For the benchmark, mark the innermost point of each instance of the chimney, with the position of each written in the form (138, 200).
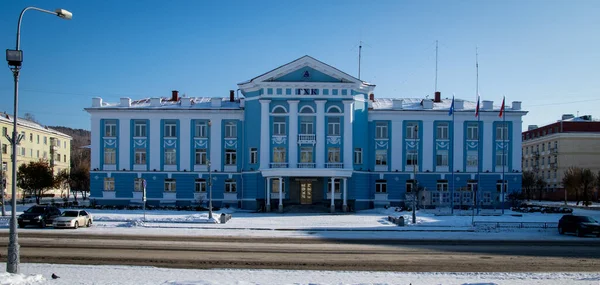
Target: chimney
(516, 105)
(397, 104)
(175, 95)
(155, 102)
(438, 97)
(96, 102)
(215, 102)
(487, 105)
(125, 102)
(372, 97)
(231, 96)
(459, 104)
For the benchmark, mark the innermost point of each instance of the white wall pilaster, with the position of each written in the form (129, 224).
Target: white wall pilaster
(124, 144)
(184, 144)
(320, 148)
(216, 145)
(348, 133)
(265, 138)
(397, 159)
(458, 145)
(154, 152)
(488, 141)
(293, 133)
(517, 151)
(96, 135)
(427, 149)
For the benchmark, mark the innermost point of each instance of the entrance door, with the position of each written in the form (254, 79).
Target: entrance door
(305, 193)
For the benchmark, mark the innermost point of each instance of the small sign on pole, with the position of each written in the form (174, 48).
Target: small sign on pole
(144, 197)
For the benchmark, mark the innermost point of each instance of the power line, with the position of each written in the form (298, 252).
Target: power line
(562, 103)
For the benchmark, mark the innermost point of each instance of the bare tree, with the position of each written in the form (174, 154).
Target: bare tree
(528, 183)
(572, 182)
(588, 179)
(540, 185)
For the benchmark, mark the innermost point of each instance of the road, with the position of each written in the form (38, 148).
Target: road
(313, 254)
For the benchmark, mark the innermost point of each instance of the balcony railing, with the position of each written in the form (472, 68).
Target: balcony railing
(334, 165)
(307, 139)
(306, 165)
(279, 165)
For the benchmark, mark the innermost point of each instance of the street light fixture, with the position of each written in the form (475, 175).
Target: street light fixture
(210, 182)
(415, 192)
(15, 59)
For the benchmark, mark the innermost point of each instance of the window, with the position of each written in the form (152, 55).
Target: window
(200, 156)
(381, 157)
(230, 186)
(441, 158)
(381, 186)
(138, 185)
(23, 150)
(64, 157)
(110, 129)
(472, 185)
(411, 157)
(38, 139)
(4, 166)
(140, 156)
(501, 131)
(501, 158)
(253, 155)
(200, 130)
(4, 149)
(410, 184)
(45, 140)
(442, 131)
(170, 130)
(139, 129)
(442, 185)
(4, 131)
(109, 184)
(306, 154)
(200, 185)
(110, 156)
(358, 156)
(306, 128)
(231, 130)
(45, 155)
(381, 130)
(230, 157)
(279, 155)
(170, 156)
(333, 154)
(275, 185)
(543, 147)
(472, 131)
(170, 185)
(31, 137)
(279, 126)
(412, 130)
(472, 158)
(37, 154)
(333, 126)
(499, 186)
(336, 186)
(65, 144)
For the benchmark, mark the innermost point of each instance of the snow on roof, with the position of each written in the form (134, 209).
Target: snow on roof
(166, 103)
(31, 124)
(415, 104)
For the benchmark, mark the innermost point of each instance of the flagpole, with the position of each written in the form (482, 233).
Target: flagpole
(452, 162)
(476, 195)
(503, 152)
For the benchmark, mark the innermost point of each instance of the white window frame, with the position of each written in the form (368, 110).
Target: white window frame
(443, 156)
(472, 158)
(307, 128)
(442, 131)
(442, 185)
(140, 156)
(499, 186)
(410, 130)
(358, 155)
(170, 130)
(140, 129)
(138, 185)
(333, 126)
(336, 186)
(275, 185)
(501, 132)
(279, 155)
(110, 156)
(200, 185)
(231, 130)
(230, 186)
(472, 131)
(471, 186)
(109, 184)
(381, 186)
(412, 157)
(381, 157)
(170, 185)
(230, 157)
(306, 154)
(279, 126)
(200, 129)
(503, 155)
(253, 155)
(333, 155)
(170, 156)
(381, 130)
(110, 129)
(200, 156)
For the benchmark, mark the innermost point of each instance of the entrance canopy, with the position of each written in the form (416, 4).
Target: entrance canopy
(306, 172)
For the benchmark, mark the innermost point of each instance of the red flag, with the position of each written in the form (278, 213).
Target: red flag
(501, 109)
(477, 108)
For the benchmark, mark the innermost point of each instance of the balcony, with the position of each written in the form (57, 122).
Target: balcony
(307, 139)
(306, 165)
(279, 165)
(334, 165)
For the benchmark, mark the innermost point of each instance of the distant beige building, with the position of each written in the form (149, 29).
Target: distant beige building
(550, 150)
(38, 142)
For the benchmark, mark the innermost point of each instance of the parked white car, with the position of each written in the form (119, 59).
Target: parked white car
(73, 219)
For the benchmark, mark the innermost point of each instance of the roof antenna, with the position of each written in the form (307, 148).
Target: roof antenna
(436, 65)
(359, 54)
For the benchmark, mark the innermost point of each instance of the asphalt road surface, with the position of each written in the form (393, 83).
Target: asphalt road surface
(314, 254)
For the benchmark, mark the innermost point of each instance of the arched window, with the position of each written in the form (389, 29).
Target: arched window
(279, 110)
(307, 110)
(334, 110)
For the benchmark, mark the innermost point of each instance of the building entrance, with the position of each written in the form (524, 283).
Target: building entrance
(305, 193)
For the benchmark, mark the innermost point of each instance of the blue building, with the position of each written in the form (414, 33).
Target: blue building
(304, 133)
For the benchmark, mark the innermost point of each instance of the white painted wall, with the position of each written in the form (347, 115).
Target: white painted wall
(124, 143)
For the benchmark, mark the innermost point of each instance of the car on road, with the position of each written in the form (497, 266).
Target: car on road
(38, 215)
(580, 225)
(73, 219)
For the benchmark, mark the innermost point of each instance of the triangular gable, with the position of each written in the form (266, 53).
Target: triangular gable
(306, 74)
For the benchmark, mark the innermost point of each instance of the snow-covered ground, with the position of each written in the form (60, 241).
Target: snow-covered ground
(83, 274)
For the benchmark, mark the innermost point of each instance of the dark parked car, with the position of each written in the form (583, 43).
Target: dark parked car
(580, 225)
(39, 215)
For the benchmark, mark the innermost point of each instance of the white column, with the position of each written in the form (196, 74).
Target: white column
(280, 195)
(517, 152)
(320, 148)
(488, 142)
(427, 149)
(397, 159)
(216, 146)
(124, 144)
(96, 135)
(332, 207)
(268, 196)
(184, 144)
(345, 204)
(265, 138)
(154, 145)
(348, 130)
(293, 137)
(459, 145)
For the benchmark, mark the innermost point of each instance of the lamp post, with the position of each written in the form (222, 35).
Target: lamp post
(210, 213)
(15, 59)
(415, 195)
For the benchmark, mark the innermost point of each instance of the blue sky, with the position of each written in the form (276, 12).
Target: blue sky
(543, 53)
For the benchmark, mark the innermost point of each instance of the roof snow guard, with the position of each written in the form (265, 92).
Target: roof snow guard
(168, 103)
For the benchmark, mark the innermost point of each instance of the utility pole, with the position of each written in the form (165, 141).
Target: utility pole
(2, 178)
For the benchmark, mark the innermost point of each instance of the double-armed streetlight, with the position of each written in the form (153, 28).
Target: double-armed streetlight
(15, 59)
